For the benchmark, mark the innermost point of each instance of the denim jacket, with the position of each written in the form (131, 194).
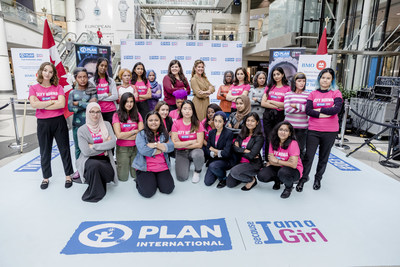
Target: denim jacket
(144, 151)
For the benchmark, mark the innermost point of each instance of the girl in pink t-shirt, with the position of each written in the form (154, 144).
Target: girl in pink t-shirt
(127, 122)
(143, 87)
(47, 97)
(240, 87)
(152, 161)
(187, 133)
(273, 101)
(106, 89)
(163, 109)
(208, 122)
(284, 163)
(322, 106)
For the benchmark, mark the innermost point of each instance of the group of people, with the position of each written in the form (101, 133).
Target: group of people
(267, 132)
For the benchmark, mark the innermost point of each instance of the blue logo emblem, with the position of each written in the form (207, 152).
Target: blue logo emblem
(149, 236)
(190, 43)
(88, 50)
(229, 59)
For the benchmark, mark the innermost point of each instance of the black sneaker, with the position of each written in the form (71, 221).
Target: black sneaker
(286, 192)
(221, 184)
(44, 184)
(277, 185)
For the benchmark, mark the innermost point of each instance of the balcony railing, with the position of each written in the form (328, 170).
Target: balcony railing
(16, 12)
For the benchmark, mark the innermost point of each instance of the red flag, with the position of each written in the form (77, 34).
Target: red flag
(323, 44)
(48, 43)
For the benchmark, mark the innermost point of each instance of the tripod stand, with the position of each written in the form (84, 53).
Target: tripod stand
(394, 124)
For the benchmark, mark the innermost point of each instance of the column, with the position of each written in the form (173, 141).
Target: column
(339, 18)
(70, 16)
(244, 22)
(363, 38)
(6, 84)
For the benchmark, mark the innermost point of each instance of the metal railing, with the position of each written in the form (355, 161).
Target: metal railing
(16, 12)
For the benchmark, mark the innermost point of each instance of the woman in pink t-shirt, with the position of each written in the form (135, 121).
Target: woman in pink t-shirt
(127, 122)
(208, 122)
(322, 106)
(240, 87)
(273, 101)
(142, 86)
(163, 109)
(106, 89)
(247, 147)
(188, 135)
(284, 163)
(47, 97)
(152, 161)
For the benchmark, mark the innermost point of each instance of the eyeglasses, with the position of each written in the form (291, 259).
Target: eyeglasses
(95, 112)
(284, 130)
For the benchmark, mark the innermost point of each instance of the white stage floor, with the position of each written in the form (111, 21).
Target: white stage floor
(352, 221)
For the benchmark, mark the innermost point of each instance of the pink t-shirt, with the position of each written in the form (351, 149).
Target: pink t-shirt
(237, 90)
(206, 130)
(244, 145)
(142, 89)
(277, 94)
(103, 88)
(126, 127)
(174, 114)
(216, 138)
(183, 131)
(47, 94)
(97, 139)
(156, 163)
(285, 154)
(324, 100)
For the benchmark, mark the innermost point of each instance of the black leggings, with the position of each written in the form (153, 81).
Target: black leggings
(285, 174)
(271, 118)
(98, 172)
(148, 182)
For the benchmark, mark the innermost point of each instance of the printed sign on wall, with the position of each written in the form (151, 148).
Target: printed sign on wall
(149, 236)
(26, 63)
(312, 65)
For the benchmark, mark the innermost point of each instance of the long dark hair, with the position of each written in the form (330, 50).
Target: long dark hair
(298, 75)
(96, 74)
(123, 114)
(193, 120)
(272, 81)
(255, 82)
(246, 76)
(151, 137)
(276, 141)
(216, 108)
(180, 73)
(135, 76)
(244, 132)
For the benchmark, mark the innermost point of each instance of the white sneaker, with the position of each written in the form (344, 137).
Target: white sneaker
(196, 177)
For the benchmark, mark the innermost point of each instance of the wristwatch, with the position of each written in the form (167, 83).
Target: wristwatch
(123, 8)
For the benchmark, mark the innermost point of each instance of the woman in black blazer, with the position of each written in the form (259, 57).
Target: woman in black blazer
(218, 151)
(247, 147)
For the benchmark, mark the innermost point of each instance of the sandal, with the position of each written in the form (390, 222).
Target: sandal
(68, 183)
(44, 184)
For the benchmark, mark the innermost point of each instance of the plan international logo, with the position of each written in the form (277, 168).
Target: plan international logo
(149, 236)
(278, 232)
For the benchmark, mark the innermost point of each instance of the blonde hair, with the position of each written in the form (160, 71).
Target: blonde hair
(122, 71)
(196, 63)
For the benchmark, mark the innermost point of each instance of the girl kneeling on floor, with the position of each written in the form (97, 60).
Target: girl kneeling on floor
(218, 151)
(188, 135)
(96, 162)
(152, 162)
(247, 148)
(284, 163)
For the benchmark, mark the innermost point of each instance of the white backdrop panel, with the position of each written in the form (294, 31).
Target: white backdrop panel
(218, 56)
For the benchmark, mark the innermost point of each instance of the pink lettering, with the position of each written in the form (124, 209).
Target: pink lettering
(289, 238)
